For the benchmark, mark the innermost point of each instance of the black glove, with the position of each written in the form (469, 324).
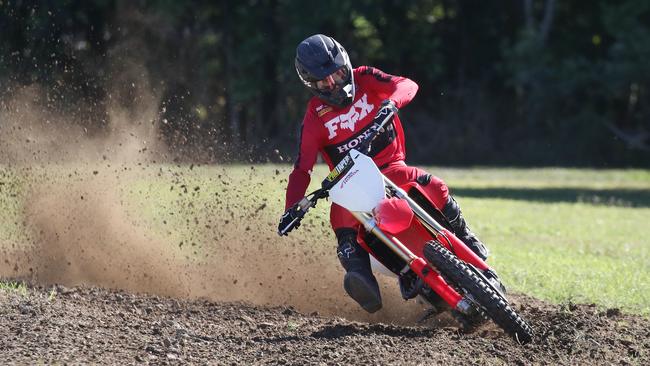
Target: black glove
(289, 220)
(387, 106)
(389, 103)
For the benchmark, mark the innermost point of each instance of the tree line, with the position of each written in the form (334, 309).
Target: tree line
(518, 82)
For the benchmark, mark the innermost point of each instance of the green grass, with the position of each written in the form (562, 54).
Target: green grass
(564, 234)
(13, 286)
(557, 234)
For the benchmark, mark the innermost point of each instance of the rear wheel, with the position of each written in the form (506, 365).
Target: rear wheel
(492, 304)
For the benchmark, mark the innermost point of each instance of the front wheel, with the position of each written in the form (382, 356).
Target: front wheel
(492, 303)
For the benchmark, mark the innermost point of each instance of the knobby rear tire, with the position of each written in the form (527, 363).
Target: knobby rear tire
(493, 304)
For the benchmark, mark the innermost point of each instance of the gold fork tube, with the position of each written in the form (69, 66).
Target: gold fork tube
(391, 242)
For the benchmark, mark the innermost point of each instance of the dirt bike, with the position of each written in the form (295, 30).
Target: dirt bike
(408, 237)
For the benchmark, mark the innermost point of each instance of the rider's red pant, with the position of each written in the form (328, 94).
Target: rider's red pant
(399, 173)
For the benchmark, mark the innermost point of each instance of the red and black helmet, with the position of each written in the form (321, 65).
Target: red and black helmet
(325, 69)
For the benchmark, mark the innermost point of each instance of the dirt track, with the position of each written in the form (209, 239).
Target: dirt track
(58, 324)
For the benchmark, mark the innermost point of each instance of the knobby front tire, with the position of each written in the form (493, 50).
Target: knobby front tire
(493, 304)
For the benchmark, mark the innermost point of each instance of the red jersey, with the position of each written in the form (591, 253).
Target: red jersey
(333, 131)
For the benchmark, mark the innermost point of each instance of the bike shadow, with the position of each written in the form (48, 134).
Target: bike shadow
(625, 197)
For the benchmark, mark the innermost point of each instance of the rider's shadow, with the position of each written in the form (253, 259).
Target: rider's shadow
(343, 330)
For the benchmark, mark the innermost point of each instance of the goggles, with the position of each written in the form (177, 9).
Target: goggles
(330, 82)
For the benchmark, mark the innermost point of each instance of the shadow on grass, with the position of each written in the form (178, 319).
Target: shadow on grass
(608, 197)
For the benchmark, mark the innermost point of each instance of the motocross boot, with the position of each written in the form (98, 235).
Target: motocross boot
(461, 230)
(359, 282)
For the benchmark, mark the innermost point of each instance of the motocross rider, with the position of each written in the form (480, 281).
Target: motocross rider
(342, 109)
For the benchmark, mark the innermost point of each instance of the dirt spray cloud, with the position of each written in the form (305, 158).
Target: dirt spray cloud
(79, 228)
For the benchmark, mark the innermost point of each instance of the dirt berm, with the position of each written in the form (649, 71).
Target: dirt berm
(89, 325)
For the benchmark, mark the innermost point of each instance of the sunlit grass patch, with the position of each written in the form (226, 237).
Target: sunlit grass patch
(13, 287)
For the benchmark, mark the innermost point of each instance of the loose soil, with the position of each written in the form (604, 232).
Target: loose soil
(57, 324)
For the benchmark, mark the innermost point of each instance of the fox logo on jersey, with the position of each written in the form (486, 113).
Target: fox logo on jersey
(357, 111)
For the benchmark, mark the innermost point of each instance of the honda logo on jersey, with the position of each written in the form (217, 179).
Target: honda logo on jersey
(342, 149)
(348, 120)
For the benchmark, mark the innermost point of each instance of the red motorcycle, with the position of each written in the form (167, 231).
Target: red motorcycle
(408, 237)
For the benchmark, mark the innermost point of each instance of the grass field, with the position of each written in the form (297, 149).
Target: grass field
(557, 234)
